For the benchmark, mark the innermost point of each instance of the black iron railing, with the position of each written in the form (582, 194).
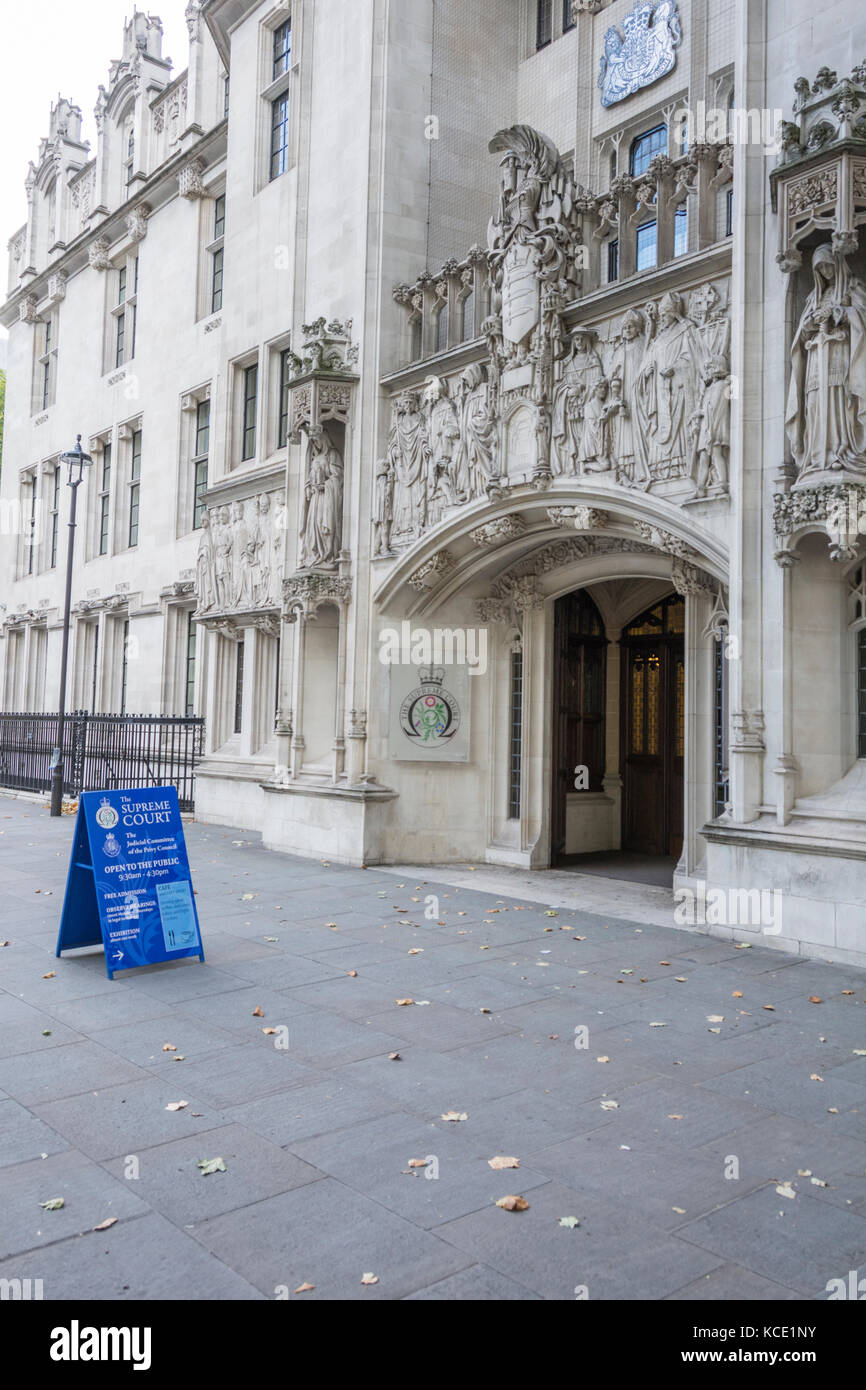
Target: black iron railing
(102, 752)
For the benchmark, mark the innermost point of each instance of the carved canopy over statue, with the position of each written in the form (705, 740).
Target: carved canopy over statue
(826, 412)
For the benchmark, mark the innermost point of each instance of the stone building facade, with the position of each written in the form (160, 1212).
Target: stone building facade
(477, 401)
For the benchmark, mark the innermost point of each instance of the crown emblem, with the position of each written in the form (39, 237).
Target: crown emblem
(432, 675)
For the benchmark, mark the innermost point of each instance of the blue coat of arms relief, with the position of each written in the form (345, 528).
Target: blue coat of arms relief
(646, 53)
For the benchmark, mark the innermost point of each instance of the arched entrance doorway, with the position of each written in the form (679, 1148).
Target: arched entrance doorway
(618, 720)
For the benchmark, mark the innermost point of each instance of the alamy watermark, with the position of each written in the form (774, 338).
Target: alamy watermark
(729, 907)
(438, 646)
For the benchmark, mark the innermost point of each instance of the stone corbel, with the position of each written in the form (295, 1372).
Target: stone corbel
(99, 253)
(688, 579)
(663, 540)
(581, 518)
(28, 309)
(504, 528)
(136, 222)
(57, 287)
(189, 179)
(427, 576)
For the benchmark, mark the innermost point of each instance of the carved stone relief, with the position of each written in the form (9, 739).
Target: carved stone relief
(240, 557)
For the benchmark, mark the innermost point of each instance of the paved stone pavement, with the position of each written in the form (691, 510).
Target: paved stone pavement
(667, 1143)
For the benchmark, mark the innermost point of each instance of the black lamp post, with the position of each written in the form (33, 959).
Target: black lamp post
(77, 461)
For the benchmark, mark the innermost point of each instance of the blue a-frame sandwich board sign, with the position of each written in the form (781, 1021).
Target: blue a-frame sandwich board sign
(129, 885)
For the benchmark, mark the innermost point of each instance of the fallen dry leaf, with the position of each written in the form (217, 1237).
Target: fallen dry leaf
(675, 1117)
(394, 1057)
(353, 974)
(305, 1288)
(815, 1077)
(454, 1115)
(402, 1002)
(104, 1225)
(53, 1204)
(513, 1203)
(415, 951)
(211, 1165)
(771, 1008)
(609, 1104)
(785, 1189)
(169, 1047)
(177, 1105)
(569, 1221)
(602, 1059)
(418, 1162)
(369, 1279)
(715, 1018)
(269, 1031)
(50, 975)
(737, 994)
(501, 1161)
(258, 1012)
(815, 999)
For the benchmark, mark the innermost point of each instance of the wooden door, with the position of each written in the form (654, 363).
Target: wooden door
(653, 730)
(580, 650)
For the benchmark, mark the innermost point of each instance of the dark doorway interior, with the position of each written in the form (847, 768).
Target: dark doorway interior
(653, 730)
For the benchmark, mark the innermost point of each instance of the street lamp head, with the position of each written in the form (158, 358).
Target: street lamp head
(76, 459)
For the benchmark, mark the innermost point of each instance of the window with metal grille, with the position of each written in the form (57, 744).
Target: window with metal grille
(279, 135)
(134, 488)
(645, 147)
(282, 49)
(722, 776)
(543, 23)
(124, 666)
(250, 409)
(55, 516)
(613, 260)
(515, 739)
(861, 692)
(105, 499)
(201, 449)
(283, 420)
(190, 663)
(646, 246)
(239, 687)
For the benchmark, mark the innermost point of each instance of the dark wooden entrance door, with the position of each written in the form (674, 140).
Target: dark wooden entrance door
(653, 730)
(580, 651)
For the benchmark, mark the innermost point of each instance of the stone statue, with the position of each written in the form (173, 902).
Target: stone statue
(667, 386)
(259, 549)
(581, 372)
(711, 428)
(241, 584)
(205, 579)
(444, 435)
(630, 425)
(383, 514)
(825, 419)
(478, 458)
(409, 456)
(594, 456)
(223, 559)
(321, 526)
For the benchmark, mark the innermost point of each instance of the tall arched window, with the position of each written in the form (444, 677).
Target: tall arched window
(645, 147)
(468, 311)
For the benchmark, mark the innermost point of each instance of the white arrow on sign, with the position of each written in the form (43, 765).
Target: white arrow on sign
(118, 955)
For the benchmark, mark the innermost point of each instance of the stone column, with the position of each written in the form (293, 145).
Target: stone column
(786, 764)
(612, 780)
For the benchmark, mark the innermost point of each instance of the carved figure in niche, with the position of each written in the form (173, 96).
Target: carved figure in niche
(223, 558)
(241, 589)
(478, 455)
(259, 548)
(666, 386)
(630, 426)
(205, 579)
(711, 428)
(277, 543)
(711, 321)
(595, 438)
(444, 437)
(825, 417)
(409, 455)
(321, 525)
(582, 369)
(383, 514)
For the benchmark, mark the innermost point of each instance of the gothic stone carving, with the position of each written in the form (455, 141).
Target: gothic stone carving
(426, 576)
(305, 594)
(688, 579)
(826, 411)
(322, 520)
(837, 510)
(581, 518)
(99, 253)
(646, 53)
(28, 311)
(240, 556)
(189, 180)
(136, 222)
(504, 528)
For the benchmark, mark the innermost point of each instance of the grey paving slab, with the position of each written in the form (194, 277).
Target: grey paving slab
(780, 1084)
(123, 1119)
(313, 1108)
(375, 1160)
(89, 1194)
(328, 1235)
(143, 1259)
(142, 1042)
(97, 1011)
(429, 1083)
(285, 972)
(171, 1182)
(23, 1137)
(439, 1025)
(35, 1035)
(233, 1010)
(732, 1282)
(799, 1242)
(613, 1253)
(476, 1284)
(246, 1072)
(70, 1070)
(354, 997)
